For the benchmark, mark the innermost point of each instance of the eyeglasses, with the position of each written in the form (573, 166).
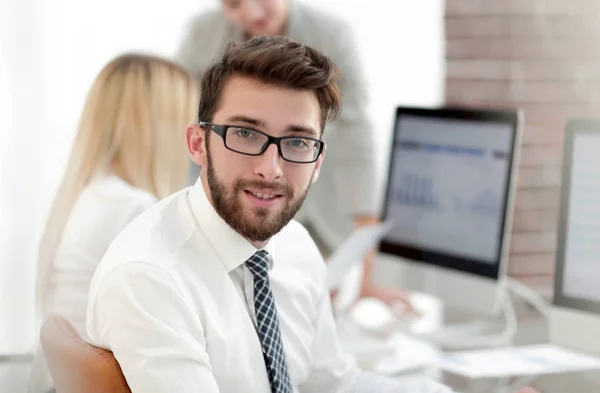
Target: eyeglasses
(254, 143)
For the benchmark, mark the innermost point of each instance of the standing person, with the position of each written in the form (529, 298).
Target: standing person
(346, 196)
(128, 153)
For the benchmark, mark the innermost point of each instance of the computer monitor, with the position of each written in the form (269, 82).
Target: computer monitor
(450, 197)
(575, 315)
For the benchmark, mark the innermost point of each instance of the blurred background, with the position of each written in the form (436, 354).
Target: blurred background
(50, 53)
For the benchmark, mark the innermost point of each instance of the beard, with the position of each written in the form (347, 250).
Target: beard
(258, 224)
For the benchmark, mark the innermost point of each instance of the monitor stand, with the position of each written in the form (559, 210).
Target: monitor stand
(484, 333)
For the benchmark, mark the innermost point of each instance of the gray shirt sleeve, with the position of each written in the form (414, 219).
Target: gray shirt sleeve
(201, 44)
(187, 52)
(354, 159)
(203, 41)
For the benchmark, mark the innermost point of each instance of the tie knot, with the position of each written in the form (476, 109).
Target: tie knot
(259, 265)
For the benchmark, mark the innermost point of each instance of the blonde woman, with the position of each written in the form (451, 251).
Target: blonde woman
(129, 152)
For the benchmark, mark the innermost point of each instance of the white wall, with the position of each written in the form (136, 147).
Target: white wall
(50, 52)
(402, 46)
(21, 157)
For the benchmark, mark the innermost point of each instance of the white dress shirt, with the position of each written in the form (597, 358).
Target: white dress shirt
(101, 211)
(174, 301)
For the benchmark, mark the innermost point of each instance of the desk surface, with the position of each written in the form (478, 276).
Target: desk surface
(14, 375)
(533, 329)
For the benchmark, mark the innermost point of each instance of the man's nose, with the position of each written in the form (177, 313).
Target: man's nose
(269, 164)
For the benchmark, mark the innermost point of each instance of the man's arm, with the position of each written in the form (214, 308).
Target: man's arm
(139, 314)
(392, 297)
(204, 38)
(191, 45)
(355, 151)
(335, 372)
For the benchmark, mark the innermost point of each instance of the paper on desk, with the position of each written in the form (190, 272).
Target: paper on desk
(527, 360)
(353, 250)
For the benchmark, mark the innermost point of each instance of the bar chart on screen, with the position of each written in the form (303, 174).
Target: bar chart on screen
(452, 190)
(417, 190)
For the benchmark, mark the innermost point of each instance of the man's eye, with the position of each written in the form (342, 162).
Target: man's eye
(298, 143)
(244, 133)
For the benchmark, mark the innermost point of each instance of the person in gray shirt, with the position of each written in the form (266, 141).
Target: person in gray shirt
(346, 196)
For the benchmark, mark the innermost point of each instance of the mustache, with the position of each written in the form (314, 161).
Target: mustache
(281, 188)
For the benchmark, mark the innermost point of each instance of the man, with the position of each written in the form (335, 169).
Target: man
(216, 288)
(346, 196)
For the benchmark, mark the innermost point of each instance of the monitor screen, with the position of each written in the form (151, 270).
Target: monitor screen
(448, 185)
(578, 253)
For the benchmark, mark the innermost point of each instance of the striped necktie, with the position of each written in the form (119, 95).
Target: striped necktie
(268, 324)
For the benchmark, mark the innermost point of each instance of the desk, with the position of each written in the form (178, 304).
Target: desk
(533, 329)
(14, 373)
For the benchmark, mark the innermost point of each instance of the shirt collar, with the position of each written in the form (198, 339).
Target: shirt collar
(232, 249)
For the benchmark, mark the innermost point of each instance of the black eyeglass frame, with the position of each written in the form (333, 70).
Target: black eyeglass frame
(221, 130)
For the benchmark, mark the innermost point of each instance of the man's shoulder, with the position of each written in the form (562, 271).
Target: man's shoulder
(296, 231)
(203, 24)
(321, 30)
(204, 38)
(318, 21)
(300, 250)
(153, 237)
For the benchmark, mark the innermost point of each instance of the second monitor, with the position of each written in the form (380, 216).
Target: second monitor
(575, 316)
(450, 197)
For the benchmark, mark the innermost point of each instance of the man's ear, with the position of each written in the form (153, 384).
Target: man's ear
(194, 137)
(319, 161)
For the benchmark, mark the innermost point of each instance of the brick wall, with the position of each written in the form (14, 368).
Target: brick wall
(544, 57)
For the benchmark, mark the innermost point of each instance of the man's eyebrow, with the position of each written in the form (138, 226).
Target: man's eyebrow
(294, 128)
(307, 130)
(246, 119)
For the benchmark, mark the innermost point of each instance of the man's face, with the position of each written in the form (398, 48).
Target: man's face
(258, 195)
(257, 17)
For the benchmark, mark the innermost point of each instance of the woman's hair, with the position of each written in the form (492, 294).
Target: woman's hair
(132, 125)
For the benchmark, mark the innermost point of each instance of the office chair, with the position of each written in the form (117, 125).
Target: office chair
(75, 365)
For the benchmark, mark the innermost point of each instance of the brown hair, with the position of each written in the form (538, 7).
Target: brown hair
(279, 61)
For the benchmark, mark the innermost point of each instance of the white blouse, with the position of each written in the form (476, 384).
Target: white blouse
(100, 212)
